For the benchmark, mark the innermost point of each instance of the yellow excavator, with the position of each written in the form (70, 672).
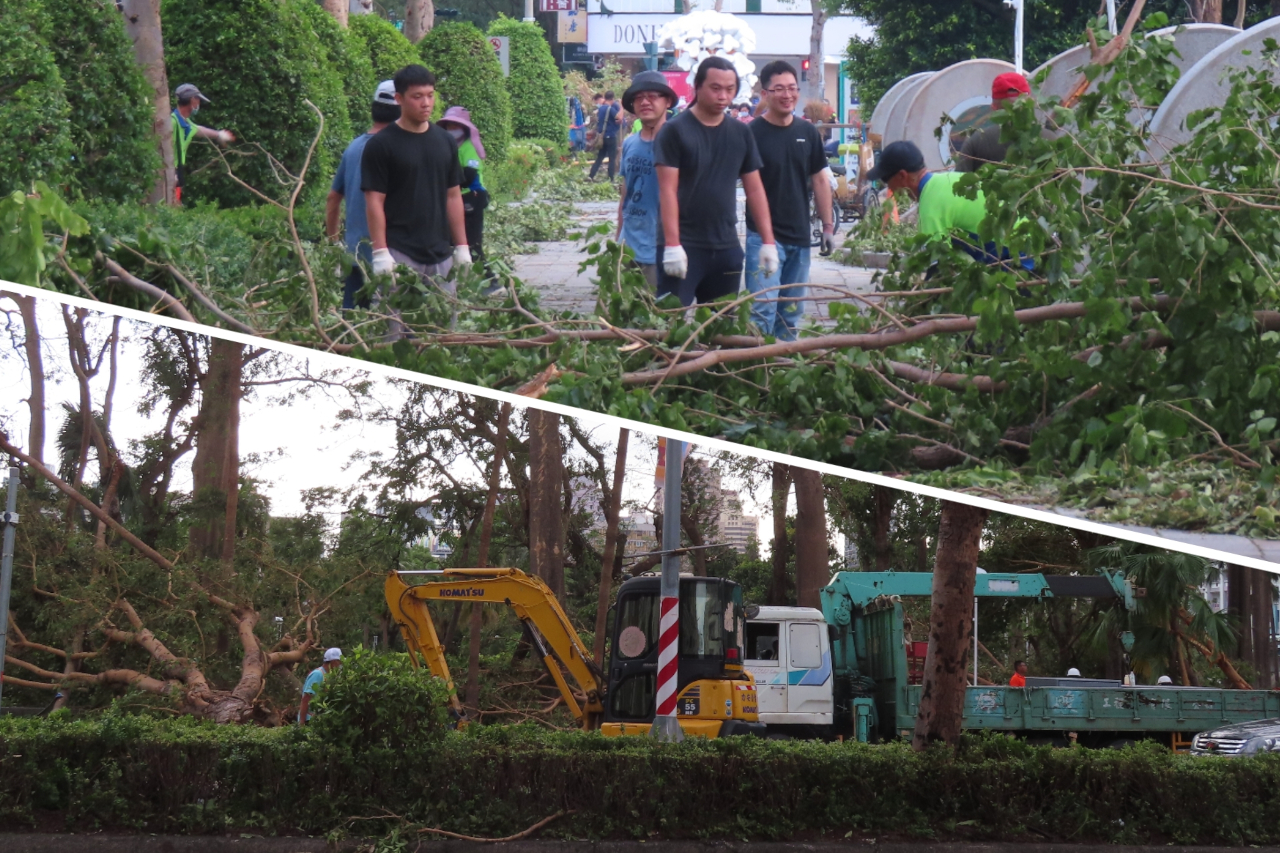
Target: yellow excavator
(716, 697)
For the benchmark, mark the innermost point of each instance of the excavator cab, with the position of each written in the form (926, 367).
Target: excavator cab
(715, 697)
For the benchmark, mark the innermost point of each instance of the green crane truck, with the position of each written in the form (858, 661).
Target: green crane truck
(850, 670)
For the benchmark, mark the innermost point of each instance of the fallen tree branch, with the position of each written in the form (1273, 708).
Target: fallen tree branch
(168, 300)
(522, 834)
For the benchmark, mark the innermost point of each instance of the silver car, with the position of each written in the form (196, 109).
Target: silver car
(1259, 736)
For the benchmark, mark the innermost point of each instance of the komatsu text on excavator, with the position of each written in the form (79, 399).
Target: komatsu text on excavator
(716, 697)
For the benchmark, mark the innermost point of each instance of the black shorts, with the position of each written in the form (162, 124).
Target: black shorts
(713, 273)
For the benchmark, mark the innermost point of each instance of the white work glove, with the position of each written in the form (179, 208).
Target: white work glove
(383, 263)
(462, 256)
(225, 137)
(828, 244)
(768, 259)
(675, 262)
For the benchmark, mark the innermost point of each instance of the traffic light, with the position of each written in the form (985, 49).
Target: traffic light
(804, 69)
(651, 55)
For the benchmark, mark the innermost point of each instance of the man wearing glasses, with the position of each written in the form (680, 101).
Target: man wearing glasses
(793, 157)
(701, 154)
(648, 98)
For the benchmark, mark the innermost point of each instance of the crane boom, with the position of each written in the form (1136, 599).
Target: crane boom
(550, 632)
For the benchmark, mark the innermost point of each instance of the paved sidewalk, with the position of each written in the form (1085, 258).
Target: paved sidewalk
(554, 269)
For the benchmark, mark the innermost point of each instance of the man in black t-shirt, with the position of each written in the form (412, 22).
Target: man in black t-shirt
(410, 175)
(700, 155)
(792, 152)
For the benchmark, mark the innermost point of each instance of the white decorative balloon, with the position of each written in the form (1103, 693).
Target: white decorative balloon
(709, 33)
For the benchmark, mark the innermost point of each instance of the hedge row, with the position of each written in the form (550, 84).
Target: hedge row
(469, 75)
(183, 776)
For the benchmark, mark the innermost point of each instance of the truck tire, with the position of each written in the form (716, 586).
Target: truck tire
(732, 728)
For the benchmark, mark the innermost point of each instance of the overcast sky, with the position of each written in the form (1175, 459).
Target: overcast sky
(299, 444)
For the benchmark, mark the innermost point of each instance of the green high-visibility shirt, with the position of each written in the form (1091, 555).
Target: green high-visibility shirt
(942, 210)
(182, 136)
(470, 159)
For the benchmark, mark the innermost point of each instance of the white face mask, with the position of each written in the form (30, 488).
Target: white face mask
(457, 133)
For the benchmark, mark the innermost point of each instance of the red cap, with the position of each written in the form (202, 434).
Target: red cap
(1010, 84)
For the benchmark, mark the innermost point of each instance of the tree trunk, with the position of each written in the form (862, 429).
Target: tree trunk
(215, 471)
(142, 23)
(813, 570)
(1206, 11)
(950, 626)
(884, 499)
(779, 587)
(338, 9)
(472, 694)
(612, 511)
(817, 76)
(546, 533)
(1241, 8)
(689, 524)
(35, 367)
(419, 16)
(1251, 605)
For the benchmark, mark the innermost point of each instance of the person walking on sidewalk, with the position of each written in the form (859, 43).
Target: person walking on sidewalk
(346, 188)
(794, 161)
(649, 97)
(701, 154)
(608, 120)
(410, 176)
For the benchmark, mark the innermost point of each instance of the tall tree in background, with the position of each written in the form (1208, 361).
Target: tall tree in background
(419, 17)
(780, 586)
(215, 471)
(472, 695)
(546, 480)
(142, 23)
(950, 625)
(338, 9)
(35, 372)
(612, 510)
(813, 569)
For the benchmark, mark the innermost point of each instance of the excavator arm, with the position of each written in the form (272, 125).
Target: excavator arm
(550, 632)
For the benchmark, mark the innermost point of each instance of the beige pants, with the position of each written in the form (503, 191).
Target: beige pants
(430, 274)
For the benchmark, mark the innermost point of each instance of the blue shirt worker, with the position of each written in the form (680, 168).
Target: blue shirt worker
(794, 163)
(332, 660)
(184, 130)
(649, 97)
(346, 188)
(608, 121)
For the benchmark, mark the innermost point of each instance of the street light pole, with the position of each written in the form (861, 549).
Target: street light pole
(665, 725)
(10, 521)
(528, 11)
(1017, 6)
(1111, 16)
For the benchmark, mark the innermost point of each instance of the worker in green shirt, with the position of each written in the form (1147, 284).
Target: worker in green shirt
(941, 210)
(475, 198)
(184, 130)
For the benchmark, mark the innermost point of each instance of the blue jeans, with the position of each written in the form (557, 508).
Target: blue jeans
(771, 317)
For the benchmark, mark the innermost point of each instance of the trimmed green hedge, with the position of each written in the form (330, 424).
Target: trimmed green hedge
(35, 142)
(534, 83)
(115, 153)
(348, 53)
(258, 61)
(184, 776)
(469, 75)
(389, 50)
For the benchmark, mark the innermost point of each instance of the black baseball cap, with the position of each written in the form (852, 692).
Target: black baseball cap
(896, 157)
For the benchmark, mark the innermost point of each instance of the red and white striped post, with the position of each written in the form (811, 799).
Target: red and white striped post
(665, 725)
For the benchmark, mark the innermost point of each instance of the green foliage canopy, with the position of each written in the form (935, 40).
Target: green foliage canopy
(534, 83)
(348, 53)
(115, 153)
(469, 75)
(389, 50)
(35, 140)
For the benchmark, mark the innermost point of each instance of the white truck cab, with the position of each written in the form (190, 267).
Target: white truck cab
(788, 652)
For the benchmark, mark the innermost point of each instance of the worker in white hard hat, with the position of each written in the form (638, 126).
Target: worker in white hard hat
(1073, 673)
(1164, 679)
(332, 660)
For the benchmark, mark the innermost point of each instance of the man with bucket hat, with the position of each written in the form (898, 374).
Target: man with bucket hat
(184, 130)
(648, 98)
(332, 660)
